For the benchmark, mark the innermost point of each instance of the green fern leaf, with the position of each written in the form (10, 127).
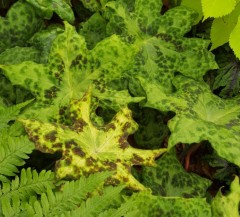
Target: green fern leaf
(234, 39)
(217, 8)
(109, 198)
(72, 195)
(13, 152)
(29, 183)
(10, 113)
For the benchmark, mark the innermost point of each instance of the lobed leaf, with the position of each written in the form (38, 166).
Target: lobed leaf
(88, 149)
(162, 49)
(149, 205)
(20, 24)
(170, 179)
(60, 7)
(200, 115)
(71, 68)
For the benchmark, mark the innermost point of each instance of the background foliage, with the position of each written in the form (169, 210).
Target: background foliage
(119, 108)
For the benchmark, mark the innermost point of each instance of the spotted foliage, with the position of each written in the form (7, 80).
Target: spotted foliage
(61, 7)
(87, 149)
(162, 48)
(20, 24)
(170, 179)
(70, 69)
(200, 115)
(146, 204)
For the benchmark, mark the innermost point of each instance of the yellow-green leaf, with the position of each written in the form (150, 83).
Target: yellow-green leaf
(217, 8)
(222, 28)
(88, 149)
(234, 39)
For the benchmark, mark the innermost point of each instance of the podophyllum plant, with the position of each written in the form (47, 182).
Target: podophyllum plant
(139, 56)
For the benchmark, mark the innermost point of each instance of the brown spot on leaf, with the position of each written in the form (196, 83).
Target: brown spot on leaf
(111, 165)
(110, 126)
(78, 151)
(90, 161)
(58, 145)
(51, 136)
(79, 125)
(68, 161)
(126, 126)
(137, 160)
(70, 143)
(123, 142)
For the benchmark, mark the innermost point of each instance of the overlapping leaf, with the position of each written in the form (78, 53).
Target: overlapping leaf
(87, 149)
(200, 115)
(61, 7)
(19, 25)
(169, 179)
(227, 205)
(70, 70)
(162, 47)
(149, 205)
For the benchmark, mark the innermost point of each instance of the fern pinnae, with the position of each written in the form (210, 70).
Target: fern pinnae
(68, 199)
(10, 113)
(13, 152)
(109, 198)
(30, 183)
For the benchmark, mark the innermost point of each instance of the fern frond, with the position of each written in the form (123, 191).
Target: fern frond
(110, 198)
(13, 152)
(70, 198)
(10, 113)
(29, 184)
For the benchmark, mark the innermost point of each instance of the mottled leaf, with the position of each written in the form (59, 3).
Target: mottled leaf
(46, 8)
(94, 30)
(20, 24)
(170, 179)
(159, 39)
(200, 115)
(71, 68)
(87, 149)
(149, 205)
(20, 54)
(227, 205)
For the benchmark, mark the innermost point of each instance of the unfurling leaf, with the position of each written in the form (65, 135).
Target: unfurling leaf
(87, 149)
